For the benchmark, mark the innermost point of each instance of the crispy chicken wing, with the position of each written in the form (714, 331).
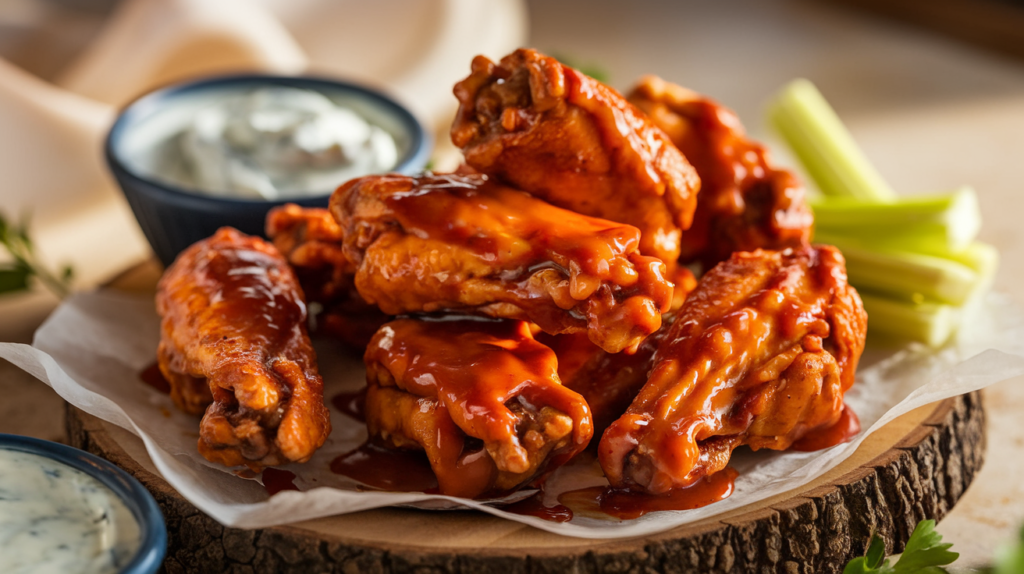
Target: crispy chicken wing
(610, 381)
(466, 244)
(558, 134)
(745, 203)
(311, 240)
(760, 354)
(234, 344)
(480, 396)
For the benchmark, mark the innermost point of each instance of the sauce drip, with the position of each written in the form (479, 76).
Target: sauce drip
(845, 428)
(534, 506)
(275, 480)
(386, 469)
(152, 376)
(626, 505)
(352, 404)
(562, 270)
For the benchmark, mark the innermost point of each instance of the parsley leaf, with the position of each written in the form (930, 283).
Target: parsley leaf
(925, 554)
(1010, 559)
(23, 265)
(593, 70)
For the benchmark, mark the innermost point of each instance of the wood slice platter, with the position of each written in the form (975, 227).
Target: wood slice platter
(916, 467)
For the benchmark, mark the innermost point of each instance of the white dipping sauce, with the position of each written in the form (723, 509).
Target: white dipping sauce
(267, 143)
(54, 518)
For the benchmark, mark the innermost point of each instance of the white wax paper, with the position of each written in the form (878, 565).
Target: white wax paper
(92, 349)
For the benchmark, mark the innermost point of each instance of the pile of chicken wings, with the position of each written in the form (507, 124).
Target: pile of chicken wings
(539, 299)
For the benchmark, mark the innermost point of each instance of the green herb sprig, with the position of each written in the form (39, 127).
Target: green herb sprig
(24, 265)
(925, 554)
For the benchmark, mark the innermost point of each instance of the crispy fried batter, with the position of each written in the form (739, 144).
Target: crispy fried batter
(466, 244)
(558, 134)
(234, 322)
(480, 396)
(761, 353)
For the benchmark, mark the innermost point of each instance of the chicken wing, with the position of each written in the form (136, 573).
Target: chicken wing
(760, 354)
(558, 134)
(311, 240)
(480, 396)
(610, 381)
(745, 202)
(466, 244)
(234, 321)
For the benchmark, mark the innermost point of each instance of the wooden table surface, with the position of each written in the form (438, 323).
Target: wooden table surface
(931, 113)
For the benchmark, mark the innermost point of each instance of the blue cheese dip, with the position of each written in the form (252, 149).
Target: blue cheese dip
(280, 143)
(54, 518)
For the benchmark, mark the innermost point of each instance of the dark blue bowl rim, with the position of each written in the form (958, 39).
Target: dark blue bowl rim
(419, 147)
(153, 545)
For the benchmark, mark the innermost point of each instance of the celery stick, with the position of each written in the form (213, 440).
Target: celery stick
(823, 144)
(930, 323)
(984, 260)
(910, 276)
(933, 224)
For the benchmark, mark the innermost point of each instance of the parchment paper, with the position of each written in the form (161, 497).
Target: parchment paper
(92, 349)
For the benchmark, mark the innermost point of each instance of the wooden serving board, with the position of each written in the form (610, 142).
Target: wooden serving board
(916, 467)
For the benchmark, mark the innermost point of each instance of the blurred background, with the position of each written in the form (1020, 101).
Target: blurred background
(932, 91)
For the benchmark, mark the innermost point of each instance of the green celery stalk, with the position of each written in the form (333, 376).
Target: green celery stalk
(823, 144)
(930, 323)
(984, 260)
(909, 276)
(932, 224)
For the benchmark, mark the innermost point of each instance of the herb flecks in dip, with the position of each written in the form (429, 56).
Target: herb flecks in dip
(54, 518)
(280, 142)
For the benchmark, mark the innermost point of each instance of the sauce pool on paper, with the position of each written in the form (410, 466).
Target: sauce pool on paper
(386, 469)
(625, 505)
(152, 376)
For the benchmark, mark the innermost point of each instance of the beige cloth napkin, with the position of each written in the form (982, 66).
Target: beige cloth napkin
(51, 147)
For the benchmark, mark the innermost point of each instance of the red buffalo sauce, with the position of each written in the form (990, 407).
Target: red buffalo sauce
(152, 376)
(352, 404)
(626, 505)
(275, 480)
(564, 271)
(845, 429)
(534, 506)
(387, 469)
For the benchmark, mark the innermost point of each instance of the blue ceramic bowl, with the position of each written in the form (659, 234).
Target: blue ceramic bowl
(153, 532)
(172, 217)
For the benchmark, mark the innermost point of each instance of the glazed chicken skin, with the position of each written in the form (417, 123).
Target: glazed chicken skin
(760, 354)
(311, 241)
(465, 244)
(560, 135)
(610, 381)
(234, 346)
(745, 202)
(481, 397)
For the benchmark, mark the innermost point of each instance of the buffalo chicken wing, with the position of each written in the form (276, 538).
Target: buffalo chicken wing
(234, 345)
(480, 396)
(745, 202)
(558, 134)
(311, 240)
(610, 381)
(760, 354)
(466, 244)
